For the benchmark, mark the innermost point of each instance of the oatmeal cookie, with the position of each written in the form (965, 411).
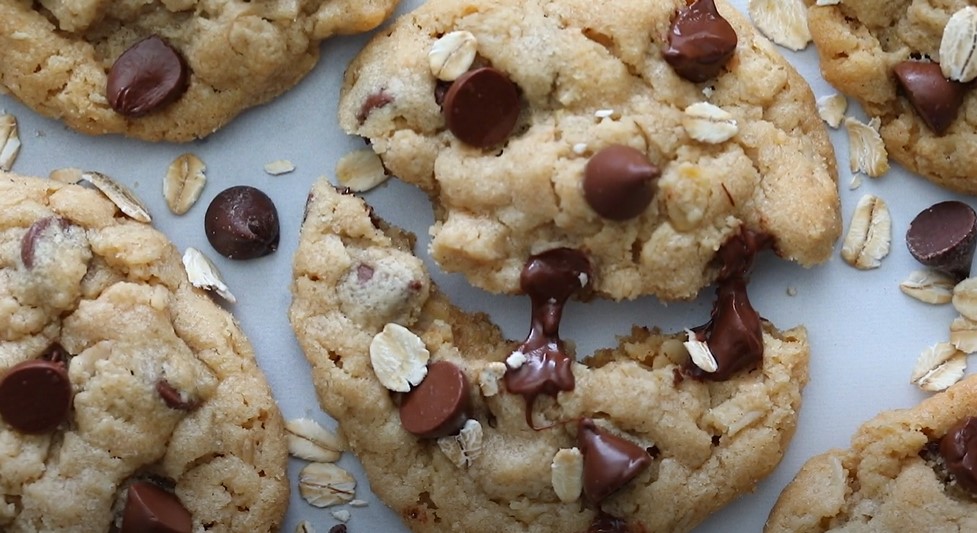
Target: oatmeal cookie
(165, 70)
(906, 470)
(643, 133)
(496, 436)
(127, 397)
(886, 56)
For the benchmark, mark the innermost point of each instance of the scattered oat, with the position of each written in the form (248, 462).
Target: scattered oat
(325, 484)
(856, 182)
(827, 2)
(399, 358)
(965, 298)
(515, 360)
(580, 148)
(604, 113)
(119, 194)
(342, 515)
(929, 286)
(9, 141)
(67, 175)
(963, 334)
(452, 55)
(304, 527)
(791, 291)
(489, 378)
(361, 170)
(185, 180)
(958, 47)
(869, 234)
(464, 448)
(699, 351)
(309, 440)
(938, 367)
(566, 474)
(866, 151)
(358, 503)
(279, 167)
(203, 274)
(708, 123)
(831, 109)
(782, 21)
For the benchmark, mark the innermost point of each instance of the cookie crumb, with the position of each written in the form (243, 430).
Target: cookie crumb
(279, 167)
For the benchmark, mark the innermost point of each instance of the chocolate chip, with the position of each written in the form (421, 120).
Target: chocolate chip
(700, 42)
(619, 182)
(35, 396)
(605, 523)
(440, 405)
(944, 237)
(146, 77)
(374, 101)
(28, 243)
(338, 528)
(172, 397)
(150, 509)
(609, 462)
(935, 98)
(56, 354)
(481, 107)
(959, 449)
(242, 223)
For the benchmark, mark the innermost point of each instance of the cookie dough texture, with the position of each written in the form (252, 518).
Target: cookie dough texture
(55, 55)
(572, 59)
(859, 42)
(882, 483)
(113, 293)
(712, 441)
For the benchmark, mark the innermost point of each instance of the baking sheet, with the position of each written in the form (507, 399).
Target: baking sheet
(865, 334)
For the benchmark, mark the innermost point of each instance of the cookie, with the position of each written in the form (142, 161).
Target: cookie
(645, 135)
(127, 396)
(905, 471)
(885, 55)
(164, 70)
(459, 429)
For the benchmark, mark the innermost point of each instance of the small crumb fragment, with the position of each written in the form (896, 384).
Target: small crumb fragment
(791, 291)
(604, 113)
(67, 175)
(831, 109)
(856, 182)
(866, 151)
(489, 378)
(358, 503)
(342, 515)
(515, 360)
(361, 170)
(580, 148)
(279, 167)
(827, 2)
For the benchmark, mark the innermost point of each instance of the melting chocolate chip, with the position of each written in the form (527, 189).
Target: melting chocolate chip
(374, 101)
(440, 405)
(242, 223)
(28, 243)
(944, 237)
(35, 396)
(733, 333)
(619, 182)
(549, 278)
(959, 449)
(56, 354)
(150, 509)
(700, 42)
(146, 77)
(935, 98)
(609, 462)
(481, 107)
(172, 397)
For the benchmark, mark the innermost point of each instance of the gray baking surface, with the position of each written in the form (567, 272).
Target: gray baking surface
(865, 334)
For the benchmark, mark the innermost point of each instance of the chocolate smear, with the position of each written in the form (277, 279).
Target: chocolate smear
(700, 42)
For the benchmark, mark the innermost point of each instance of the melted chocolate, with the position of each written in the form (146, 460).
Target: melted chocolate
(609, 462)
(374, 101)
(959, 449)
(549, 278)
(700, 42)
(733, 333)
(606, 523)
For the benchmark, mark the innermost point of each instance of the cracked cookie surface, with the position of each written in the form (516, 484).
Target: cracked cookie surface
(163, 391)
(707, 441)
(56, 55)
(590, 76)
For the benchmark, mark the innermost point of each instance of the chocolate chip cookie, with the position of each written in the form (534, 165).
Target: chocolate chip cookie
(165, 70)
(887, 56)
(128, 398)
(645, 135)
(907, 470)
(459, 429)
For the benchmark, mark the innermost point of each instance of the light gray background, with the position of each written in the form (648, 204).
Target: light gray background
(865, 334)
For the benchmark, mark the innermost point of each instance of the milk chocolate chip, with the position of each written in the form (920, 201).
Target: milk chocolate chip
(481, 107)
(935, 98)
(700, 42)
(440, 405)
(28, 243)
(619, 182)
(150, 509)
(944, 237)
(35, 396)
(242, 223)
(609, 461)
(146, 77)
(959, 449)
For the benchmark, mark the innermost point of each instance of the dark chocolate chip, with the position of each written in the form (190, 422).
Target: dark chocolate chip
(374, 101)
(440, 405)
(146, 77)
(606, 523)
(28, 243)
(619, 182)
(700, 42)
(609, 462)
(35, 396)
(944, 237)
(172, 397)
(338, 528)
(481, 107)
(56, 354)
(959, 449)
(242, 223)
(150, 509)
(935, 98)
